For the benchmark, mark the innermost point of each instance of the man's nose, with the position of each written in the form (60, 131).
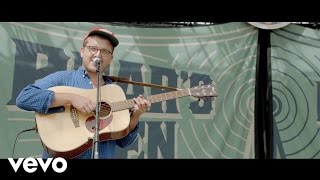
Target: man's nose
(98, 53)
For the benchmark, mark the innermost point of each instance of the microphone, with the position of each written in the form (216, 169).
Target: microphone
(96, 62)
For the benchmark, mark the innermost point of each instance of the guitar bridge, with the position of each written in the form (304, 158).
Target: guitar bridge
(74, 116)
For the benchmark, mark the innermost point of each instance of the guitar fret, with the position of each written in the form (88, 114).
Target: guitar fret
(121, 105)
(168, 96)
(131, 103)
(164, 96)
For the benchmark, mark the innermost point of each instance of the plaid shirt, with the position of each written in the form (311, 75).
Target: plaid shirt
(36, 97)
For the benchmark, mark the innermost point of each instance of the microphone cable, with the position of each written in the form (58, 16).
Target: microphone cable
(15, 141)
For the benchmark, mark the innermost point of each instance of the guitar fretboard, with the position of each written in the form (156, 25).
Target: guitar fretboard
(127, 104)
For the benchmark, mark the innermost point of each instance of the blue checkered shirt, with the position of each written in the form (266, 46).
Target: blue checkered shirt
(36, 97)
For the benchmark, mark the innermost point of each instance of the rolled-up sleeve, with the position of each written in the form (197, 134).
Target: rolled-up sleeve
(33, 98)
(36, 97)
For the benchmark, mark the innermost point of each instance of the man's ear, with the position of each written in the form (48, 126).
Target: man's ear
(81, 51)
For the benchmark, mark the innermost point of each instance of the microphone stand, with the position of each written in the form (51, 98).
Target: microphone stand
(95, 150)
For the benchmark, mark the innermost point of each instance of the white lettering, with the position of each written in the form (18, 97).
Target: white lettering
(30, 165)
(14, 165)
(44, 165)
(30, 162)
(55, 167)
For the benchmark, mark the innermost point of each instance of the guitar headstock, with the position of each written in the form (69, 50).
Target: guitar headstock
(204, 92)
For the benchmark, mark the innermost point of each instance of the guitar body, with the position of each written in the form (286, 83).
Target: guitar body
(69, 133)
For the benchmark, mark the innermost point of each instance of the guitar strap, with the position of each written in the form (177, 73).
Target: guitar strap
(126, 80)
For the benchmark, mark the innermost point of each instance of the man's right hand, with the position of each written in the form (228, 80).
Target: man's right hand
(83, 104)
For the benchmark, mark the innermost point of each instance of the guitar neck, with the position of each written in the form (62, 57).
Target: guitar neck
(127, 104)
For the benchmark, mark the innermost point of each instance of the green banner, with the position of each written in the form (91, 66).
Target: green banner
(223, 55)
(295, 58)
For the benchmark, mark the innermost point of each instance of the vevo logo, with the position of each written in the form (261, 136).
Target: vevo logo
(30, 165)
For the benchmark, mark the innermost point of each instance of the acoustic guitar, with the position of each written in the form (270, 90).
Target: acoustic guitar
(69, 133)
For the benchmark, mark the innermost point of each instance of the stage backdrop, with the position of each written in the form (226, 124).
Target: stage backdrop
(295, 59)
(178, 57)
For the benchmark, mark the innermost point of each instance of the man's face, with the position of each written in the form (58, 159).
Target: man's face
(96, 46)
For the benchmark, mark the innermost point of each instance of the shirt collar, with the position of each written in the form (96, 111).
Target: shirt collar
(84, 74)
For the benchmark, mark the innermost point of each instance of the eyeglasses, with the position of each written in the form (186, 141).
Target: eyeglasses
(104, 52)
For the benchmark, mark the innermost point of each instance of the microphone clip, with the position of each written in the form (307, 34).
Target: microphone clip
(97, 62)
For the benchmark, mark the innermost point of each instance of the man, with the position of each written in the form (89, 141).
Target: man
(97, 43)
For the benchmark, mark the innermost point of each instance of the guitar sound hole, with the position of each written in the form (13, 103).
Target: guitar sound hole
(105, 118)
(104, 111)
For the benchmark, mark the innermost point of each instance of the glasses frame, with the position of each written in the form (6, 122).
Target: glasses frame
(103, 52)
